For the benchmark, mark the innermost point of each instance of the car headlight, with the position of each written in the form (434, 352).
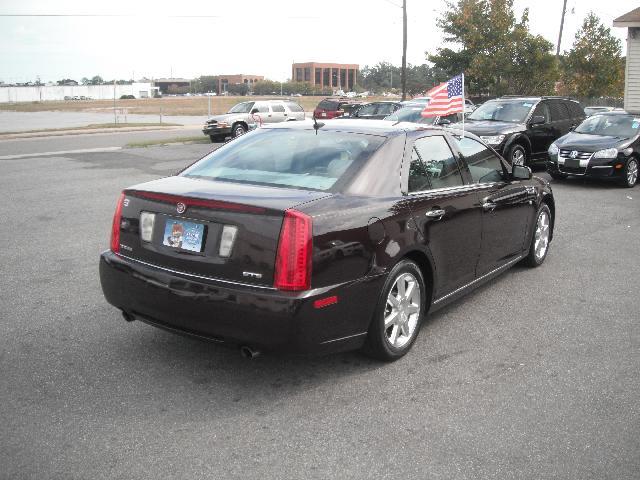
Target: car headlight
(553, 149)
(223, 124)
(606, 153)
(493, 140)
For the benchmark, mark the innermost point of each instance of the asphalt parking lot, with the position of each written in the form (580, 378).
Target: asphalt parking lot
(533, 376)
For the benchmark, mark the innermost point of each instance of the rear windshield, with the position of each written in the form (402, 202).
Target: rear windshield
(328, 105)
(624, 126)
(288, 158)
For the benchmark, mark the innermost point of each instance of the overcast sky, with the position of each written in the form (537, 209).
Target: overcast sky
(260, 37)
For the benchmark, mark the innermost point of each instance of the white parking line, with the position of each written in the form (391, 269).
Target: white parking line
(60, 152)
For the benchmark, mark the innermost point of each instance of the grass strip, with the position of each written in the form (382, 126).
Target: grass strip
(168, 141)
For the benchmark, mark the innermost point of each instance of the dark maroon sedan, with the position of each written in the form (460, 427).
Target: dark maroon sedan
(323, 238)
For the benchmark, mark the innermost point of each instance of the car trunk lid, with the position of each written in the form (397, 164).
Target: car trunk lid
(219, 230)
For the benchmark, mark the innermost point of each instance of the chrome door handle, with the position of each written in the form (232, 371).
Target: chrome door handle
(436, 213)
(489, 206)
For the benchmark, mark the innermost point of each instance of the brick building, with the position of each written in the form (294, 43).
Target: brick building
(225, 80)
(330, 75)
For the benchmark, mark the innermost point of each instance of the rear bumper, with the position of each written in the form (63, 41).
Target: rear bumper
(238, 314)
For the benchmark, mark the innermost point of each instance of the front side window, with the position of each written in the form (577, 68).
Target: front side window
(288, 158)
(433, 165)
(484, 165)
(262, 108)
(542, 110)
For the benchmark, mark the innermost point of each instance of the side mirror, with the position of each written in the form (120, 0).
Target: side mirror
(444, 121)
(254, 110)
(537, 120)
(519, 172)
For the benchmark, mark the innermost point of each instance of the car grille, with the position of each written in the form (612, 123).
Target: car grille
(579, 156)
(572, 171)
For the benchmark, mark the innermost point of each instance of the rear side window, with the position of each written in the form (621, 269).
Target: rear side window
(288, 158)
(484, 165)
(277, 107)
(575, 109)
(433, 165)
(558, 111)
(294, 107)
(328, 105)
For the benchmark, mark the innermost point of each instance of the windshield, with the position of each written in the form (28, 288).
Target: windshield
(407, 114)
(289, 158)
(244, 107)
(624, 126)
(503, 111)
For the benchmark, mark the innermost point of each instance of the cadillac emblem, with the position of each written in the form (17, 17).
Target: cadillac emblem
(181, 207)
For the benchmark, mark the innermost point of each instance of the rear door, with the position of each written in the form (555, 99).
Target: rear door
(278, 113)
(444, 209)
(507, 206)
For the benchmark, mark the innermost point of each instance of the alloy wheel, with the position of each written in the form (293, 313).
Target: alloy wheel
(239, 131)
(517, 157)
(542, 235)
(402, 310)
(632, 172)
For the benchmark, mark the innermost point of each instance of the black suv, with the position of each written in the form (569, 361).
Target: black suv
(521, 129)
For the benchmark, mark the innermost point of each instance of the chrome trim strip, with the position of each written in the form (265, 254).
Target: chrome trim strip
(462, 188)
(343, 338)
(202, 277)
(508, 264)
(601, 166)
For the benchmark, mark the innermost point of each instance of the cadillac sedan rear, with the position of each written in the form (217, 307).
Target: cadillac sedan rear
(224, 250)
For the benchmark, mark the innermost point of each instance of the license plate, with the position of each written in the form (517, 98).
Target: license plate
(183, 235)
(572, 163)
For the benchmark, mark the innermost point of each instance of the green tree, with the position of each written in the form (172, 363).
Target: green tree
(497, 53)
(594, 66)
(96, 80)
(205, 83)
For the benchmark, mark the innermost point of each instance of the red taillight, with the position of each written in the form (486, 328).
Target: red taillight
(293, 261)
(115, 226)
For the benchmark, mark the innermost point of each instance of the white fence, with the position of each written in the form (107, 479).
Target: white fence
(96, 92)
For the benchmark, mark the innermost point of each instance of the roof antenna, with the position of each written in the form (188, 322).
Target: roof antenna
(317, 125)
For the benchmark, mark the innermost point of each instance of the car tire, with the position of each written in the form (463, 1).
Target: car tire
(238, 130)
(517, 155)
(630, 175)
(540, 238)
(398, 314)
(558, 175)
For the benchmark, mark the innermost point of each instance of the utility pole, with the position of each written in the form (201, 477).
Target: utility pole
(564, 10)
(404, 49)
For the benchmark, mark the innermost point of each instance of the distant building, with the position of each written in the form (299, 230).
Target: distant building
(631, 21)
(331, 75)
(40, 93)
(225, 80)
(172, 85)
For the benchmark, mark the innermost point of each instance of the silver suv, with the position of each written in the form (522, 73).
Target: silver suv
(246, 116)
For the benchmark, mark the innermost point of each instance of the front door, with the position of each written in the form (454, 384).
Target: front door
(445, 211)
(542, 134)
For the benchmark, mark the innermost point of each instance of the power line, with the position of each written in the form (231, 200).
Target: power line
(392, 3)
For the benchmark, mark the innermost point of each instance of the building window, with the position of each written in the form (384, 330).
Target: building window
(334, 77)
(298, 74)
(325, 77)
(318, 75)
(343, 78)
(307, 74)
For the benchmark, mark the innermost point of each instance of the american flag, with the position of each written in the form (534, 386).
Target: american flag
(446, 98)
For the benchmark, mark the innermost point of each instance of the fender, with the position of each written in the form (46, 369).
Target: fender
(518, 138)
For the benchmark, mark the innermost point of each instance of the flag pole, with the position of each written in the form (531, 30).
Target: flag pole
(463, 105)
